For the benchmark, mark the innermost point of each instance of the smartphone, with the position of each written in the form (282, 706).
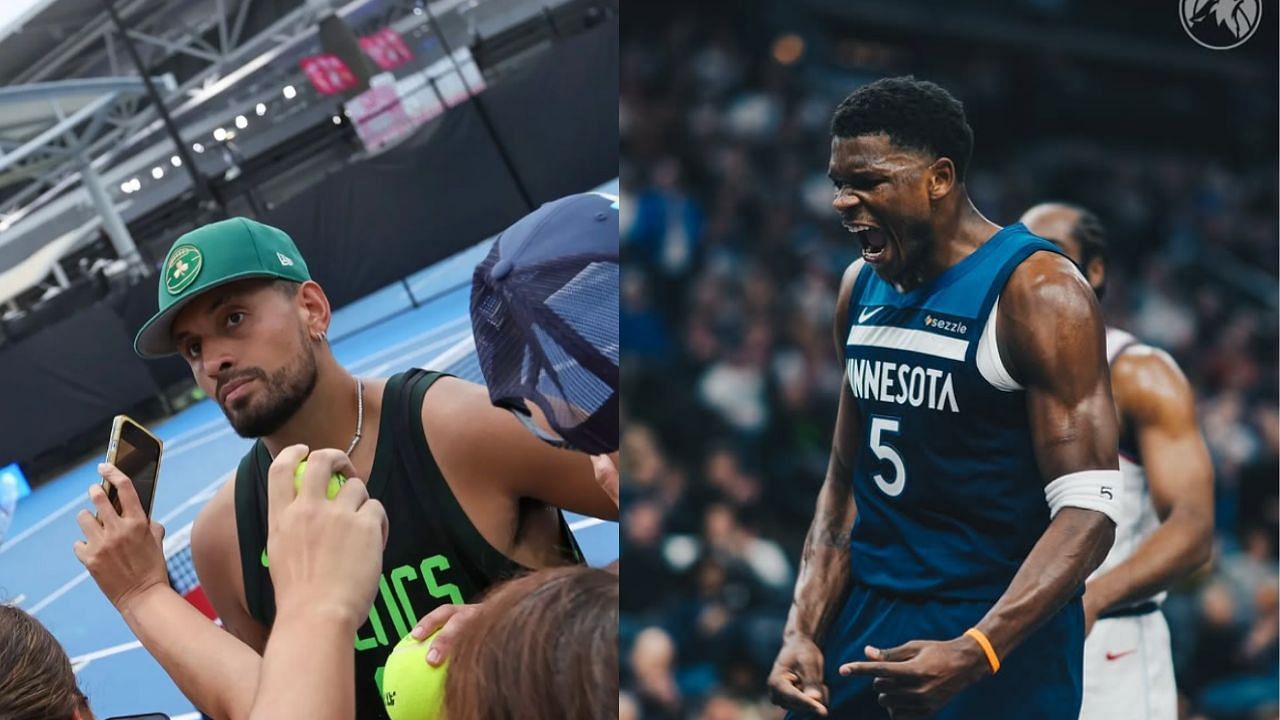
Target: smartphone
(136, 452)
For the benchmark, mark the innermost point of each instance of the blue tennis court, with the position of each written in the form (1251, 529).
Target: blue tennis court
(421, 322)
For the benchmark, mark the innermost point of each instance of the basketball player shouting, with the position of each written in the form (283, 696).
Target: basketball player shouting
(1165, 527)
(973, 476)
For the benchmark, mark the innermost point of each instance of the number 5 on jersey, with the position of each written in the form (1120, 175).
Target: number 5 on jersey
(880, 427)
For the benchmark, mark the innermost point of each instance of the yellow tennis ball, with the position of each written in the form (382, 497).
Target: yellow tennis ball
(335, 481)
(412, 688)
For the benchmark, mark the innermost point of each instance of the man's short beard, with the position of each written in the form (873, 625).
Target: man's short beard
(285, 391)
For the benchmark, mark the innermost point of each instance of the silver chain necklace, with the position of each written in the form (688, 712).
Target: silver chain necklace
(359, 415)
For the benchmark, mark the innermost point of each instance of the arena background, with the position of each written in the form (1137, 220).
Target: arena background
(391, 138)
(732, 258)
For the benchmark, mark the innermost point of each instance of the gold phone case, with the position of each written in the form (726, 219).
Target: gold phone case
(117, 427)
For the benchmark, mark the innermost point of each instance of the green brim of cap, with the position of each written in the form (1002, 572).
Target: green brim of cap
(155, 339)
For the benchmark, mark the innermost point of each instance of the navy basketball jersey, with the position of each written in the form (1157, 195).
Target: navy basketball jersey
(950, 499)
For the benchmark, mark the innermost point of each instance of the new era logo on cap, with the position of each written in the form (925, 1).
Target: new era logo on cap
(285, 260)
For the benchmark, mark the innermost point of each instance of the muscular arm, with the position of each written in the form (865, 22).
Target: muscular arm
(312, 643)
(1050, 327)
(477, 442)
(824, 568)
(796, 680)
(221, 678)
(215, 554)
(824, 565)
(1157, 403)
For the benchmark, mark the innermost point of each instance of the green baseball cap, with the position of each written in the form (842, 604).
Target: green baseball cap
(210, 256)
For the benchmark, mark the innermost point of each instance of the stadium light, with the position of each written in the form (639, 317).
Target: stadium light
(126, 187)
(219, 134)
(337, 119)
(197, 147)
(289, 92)
(261, 109)
(242, 122)
(787, 49)
(157, 172)
(175, 161)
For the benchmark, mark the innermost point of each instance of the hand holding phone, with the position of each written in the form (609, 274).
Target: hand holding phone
(136, 452)
(123, 550)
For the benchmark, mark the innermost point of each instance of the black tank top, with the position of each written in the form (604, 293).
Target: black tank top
(434, 555)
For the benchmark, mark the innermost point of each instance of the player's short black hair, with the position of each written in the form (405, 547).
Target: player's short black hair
(288, 288)
(1089, 232)
(915, 114)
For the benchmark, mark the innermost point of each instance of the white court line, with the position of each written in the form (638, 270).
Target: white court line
(66, 588)
(71, 584)
(457, 350)
(463, 343)
(438, 330)
(450, 341)
(77, 502)
(83, 501)
(80, 662)
(585, 523)
(203, 496)
(222, 429)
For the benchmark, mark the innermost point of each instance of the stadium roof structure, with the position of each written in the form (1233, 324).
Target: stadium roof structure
(233, 85)
(73, 110)
(45, 124)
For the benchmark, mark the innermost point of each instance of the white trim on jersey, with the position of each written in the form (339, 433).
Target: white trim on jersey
(1118, 341)
(990, 365)
(918, 341)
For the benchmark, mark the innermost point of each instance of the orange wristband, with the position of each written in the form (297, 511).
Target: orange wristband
(982, 640)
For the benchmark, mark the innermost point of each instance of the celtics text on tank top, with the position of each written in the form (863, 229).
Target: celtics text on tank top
(433, 556)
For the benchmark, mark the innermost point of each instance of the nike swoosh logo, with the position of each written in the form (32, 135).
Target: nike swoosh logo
(264, 558)
(866, 315)
(1117, 656)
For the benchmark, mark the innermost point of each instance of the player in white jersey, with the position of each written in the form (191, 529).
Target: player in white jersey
(1165, 528)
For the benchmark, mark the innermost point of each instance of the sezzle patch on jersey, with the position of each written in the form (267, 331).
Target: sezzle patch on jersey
(902, 384)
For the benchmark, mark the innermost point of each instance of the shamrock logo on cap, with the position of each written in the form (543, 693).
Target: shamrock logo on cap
(182, 268)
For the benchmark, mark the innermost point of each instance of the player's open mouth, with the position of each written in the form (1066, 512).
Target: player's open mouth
(874, 241)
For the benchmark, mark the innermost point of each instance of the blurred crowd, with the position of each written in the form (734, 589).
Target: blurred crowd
(733, 256)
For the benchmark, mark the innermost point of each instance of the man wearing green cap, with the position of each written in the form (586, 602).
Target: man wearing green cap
(472, 498)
